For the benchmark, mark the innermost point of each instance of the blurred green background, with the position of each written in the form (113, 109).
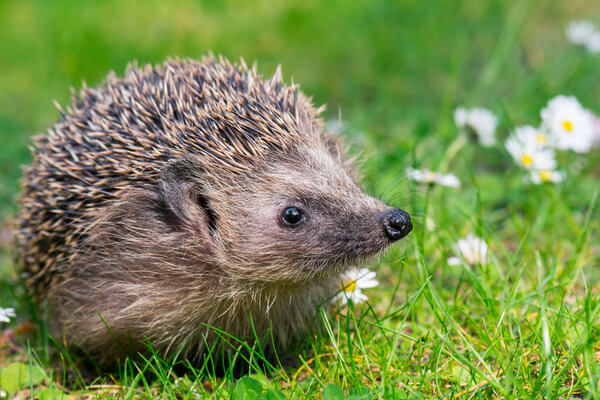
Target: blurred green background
(393, 69)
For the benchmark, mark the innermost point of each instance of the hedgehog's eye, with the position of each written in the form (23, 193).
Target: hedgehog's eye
(293, 216)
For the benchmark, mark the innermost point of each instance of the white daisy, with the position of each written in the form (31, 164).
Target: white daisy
(527, 145)
(546, 176)
(569, 124)
(427, 176)
(352, 284)
(478, 120)
(6, 314)
(584, 33)
(471, 249)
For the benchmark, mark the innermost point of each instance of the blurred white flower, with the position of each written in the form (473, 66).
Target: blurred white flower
(471, 249)
(584, 33)
(546, 176)
(352, 284)
(6, 314)
(527, 145)
(596, 136)
(578, 32)
(569, 124)
(335, 125)
(593, 43)
(479, 120)
(427, 176)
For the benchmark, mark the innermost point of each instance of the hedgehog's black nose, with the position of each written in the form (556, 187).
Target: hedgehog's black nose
(396, 224)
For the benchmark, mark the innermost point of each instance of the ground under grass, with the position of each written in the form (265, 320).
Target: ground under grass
(524, 325)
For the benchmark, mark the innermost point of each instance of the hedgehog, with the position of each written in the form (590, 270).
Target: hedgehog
(187, 201)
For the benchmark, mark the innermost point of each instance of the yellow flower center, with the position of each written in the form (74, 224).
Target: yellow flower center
(349, 286)
(568, 125)
(546, 175)
(527, 160)
(430, 177)
(541, 138)
(472, 258)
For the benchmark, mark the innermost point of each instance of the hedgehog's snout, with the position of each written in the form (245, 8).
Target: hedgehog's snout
(396, 224)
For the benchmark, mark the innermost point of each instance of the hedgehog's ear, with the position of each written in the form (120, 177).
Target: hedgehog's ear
(182, 192)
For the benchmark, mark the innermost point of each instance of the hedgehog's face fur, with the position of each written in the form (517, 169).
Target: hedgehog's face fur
(294, 218)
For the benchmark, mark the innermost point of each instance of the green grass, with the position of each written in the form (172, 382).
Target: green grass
(526, 325)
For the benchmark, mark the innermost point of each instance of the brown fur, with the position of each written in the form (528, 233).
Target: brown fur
(153, 207)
